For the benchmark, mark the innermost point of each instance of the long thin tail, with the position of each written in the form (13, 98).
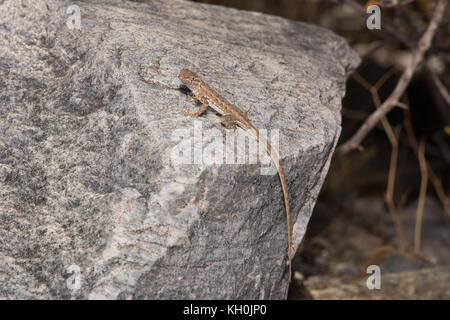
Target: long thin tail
(276, 160)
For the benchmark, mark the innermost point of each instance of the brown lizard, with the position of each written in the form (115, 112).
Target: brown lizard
(232, 116)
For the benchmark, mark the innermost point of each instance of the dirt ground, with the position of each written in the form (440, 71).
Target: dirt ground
(342, 240)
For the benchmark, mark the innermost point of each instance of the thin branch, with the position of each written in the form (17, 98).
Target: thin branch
(422, 194)
(393, 139)
(435, 181)
(442, 90)
(423, 45)
(389, 196)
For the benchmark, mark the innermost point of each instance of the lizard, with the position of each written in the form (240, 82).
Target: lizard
(232, 116)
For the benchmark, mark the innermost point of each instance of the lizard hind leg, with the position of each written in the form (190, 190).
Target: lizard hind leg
(197, 113)
(246, 114)
(228, 121)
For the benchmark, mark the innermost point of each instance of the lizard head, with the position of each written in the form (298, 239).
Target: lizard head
(189, 78)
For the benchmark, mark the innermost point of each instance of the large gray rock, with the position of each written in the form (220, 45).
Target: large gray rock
(95, 199)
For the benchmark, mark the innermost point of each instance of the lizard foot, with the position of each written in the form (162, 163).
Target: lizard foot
(228, 121)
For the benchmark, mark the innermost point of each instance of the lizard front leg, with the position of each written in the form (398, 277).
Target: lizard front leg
(228, 121)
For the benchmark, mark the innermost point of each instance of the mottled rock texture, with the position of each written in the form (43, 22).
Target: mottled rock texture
(95, 199)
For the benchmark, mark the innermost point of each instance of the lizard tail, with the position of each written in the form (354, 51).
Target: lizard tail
(288, 212)
(276, 159)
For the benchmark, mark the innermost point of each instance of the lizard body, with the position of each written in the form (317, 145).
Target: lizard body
(232, 116)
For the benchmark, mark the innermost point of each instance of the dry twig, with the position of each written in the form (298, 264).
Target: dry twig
(393, 139)
(417, 57)
(437, 185)
(442, 90)
(422, 194)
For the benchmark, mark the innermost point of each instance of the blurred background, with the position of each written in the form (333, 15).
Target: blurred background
(387, 204)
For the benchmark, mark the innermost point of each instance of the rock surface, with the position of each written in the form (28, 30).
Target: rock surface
(95, 199)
